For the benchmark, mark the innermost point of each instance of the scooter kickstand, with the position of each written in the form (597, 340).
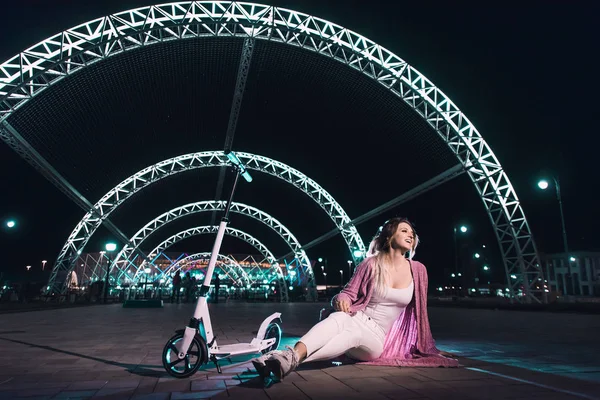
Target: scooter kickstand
(214, 359)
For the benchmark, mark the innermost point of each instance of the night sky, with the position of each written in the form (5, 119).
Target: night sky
(522, 73)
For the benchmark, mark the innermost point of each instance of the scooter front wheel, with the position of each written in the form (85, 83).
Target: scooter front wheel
(273, 331)
(187, 366)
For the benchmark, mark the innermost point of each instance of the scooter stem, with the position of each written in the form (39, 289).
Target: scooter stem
(211, 265)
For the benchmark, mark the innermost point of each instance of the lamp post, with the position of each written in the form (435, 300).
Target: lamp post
(323, 262)
(544, 184)
(110, 247)
(349, 269)
(341, 277)
(147, 272)
(43, 264)
(463, 229)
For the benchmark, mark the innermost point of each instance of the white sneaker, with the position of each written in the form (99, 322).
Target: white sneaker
(260, 365)
(282, 363)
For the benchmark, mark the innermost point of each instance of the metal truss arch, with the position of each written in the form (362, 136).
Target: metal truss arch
(212, 229)
(128, 187)
(123, 259)
(221, 259)
(42, 65)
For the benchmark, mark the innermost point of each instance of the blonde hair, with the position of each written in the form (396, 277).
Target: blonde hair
(379, 248)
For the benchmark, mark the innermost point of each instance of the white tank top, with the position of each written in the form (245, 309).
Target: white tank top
(386, 308)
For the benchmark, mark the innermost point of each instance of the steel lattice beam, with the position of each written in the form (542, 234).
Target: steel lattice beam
(123, 259)
(238, 95)
(221, 259)
(12, 137)
(212, 229)
(116, 196)
(42, 65)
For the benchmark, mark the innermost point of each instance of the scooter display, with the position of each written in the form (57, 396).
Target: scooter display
(196, 345)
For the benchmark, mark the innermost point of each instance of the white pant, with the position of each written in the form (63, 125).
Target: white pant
(358, 336)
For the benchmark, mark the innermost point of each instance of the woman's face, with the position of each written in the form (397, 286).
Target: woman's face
(404, 238)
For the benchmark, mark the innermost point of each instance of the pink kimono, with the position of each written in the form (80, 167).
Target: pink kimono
(409, 343)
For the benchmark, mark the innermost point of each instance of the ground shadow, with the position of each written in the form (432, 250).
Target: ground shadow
(136, 369)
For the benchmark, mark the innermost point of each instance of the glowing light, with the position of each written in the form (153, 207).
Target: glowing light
(543, 184)
(11, 224)
(477, 255)
(486, 268)
(357, 253)
(237, 162)
(572, 259)
(463, 229)
(453, 275)
(110, 246)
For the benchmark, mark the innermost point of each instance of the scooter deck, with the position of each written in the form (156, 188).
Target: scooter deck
(235, 349)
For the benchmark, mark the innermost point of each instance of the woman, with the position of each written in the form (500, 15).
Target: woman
(381, 314)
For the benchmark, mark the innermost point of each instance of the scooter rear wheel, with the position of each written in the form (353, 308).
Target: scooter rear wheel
(273, 331)
(187, 366)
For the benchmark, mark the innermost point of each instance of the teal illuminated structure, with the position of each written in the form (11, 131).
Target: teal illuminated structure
(39, 67)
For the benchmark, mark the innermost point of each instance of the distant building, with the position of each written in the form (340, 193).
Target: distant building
(585, 273)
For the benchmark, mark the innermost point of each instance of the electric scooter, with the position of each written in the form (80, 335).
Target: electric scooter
(195, 345)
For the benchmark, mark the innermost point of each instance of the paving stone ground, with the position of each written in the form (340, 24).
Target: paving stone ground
(108, 352)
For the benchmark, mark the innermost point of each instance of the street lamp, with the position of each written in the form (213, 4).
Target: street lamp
(110, 247)
(544, 184)
(349, 269)
(342, 277)
(147, 271)
(43, 264)
(462, 229)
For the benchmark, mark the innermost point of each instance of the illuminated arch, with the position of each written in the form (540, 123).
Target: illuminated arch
(212, 229)
(122, 260)
(206, 159)
(42, 65)
(229, 263)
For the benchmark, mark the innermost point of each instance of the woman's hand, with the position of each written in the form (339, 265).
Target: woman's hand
(343, 305)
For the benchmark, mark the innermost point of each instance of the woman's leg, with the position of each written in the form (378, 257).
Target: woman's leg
(330, 338)
(372, 338)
